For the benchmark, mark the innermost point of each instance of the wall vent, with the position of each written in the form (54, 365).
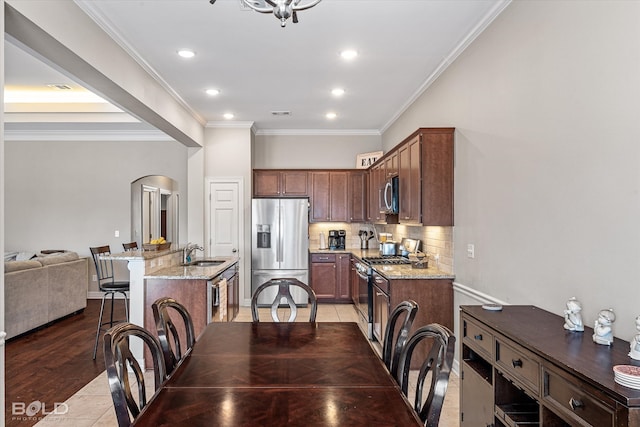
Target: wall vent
(281, 113)
(59, 87)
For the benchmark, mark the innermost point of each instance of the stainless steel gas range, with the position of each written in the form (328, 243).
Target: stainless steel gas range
(364, 301)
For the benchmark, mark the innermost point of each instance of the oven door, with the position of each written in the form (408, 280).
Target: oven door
(364, 302)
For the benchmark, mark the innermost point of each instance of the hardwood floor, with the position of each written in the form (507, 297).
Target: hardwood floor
(52, 364)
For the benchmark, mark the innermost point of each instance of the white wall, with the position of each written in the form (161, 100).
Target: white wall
(227, 154)
(545, 103)
(312, 151)
(73, 195)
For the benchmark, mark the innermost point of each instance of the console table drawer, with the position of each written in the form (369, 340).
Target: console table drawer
(478, 338)
(519, 365)
(577, 402)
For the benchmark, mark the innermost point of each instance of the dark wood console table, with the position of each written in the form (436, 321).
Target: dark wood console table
(519, 367)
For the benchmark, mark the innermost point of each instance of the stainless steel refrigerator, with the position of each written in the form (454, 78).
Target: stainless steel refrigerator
(279, 245)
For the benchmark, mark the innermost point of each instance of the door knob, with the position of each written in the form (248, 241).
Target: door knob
(234, 250)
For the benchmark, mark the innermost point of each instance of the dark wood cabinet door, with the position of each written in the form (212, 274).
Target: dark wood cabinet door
(376, 185)
(295, 183)
(343, 277)
(266, 183)
(323, 280)
(437, 176)
(410, 181)
(391, 165)
(338, 196)
(358, 196)
(320, 196)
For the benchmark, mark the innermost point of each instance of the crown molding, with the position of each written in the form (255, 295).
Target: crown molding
(320, 132)
(109, 28)
(85, 135)
(449, 59)
(231, 125)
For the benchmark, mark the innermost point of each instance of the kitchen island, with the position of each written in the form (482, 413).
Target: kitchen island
(163, 263)
(209, 292)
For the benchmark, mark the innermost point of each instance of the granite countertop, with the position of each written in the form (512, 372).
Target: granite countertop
(389, 271)
(140, 255)
(194, 272)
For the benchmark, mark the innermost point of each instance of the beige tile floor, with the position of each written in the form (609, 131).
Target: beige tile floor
(92, 405)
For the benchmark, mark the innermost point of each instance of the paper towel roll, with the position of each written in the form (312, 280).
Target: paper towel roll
(323, 241)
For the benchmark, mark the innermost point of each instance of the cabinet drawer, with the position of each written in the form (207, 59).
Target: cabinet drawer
(578, 403)
(323, 257)
(518, 364)
(478, 338)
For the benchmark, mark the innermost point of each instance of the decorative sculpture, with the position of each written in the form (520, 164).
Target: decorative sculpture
(572, 316)
(635, 342)
(602, 331)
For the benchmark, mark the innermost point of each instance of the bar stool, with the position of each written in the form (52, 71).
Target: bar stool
(109, 286)
(132, 246)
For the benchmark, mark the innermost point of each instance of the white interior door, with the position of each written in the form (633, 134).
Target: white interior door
(224, 214)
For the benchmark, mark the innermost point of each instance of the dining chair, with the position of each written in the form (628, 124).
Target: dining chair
(119, 362)
(393, 345)
(109, 287)
(284, 293)
(131, 246)
(168, 334)
(437, 362)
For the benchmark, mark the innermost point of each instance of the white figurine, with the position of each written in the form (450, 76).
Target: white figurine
(572, 316)
(635, 342)
(602, 332)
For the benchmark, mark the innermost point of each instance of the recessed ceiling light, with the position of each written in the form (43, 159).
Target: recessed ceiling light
(186, 53)
(337, 92)
(213, 92)
(228, 116)
(331, 116)
(348, 54)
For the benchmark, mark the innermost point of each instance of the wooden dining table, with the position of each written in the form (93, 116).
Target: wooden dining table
(280, 374)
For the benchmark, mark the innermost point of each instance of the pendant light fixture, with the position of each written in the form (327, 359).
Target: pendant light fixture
(281, 9)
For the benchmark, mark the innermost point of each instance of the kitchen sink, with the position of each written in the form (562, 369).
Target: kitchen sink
(205, 263)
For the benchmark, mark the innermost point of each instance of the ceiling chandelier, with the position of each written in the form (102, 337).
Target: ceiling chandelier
(281, 9)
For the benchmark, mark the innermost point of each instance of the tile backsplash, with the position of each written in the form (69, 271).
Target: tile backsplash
(435, 240)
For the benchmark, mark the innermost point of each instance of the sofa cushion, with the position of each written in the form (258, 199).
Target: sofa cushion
(57, 258)
(20, 265)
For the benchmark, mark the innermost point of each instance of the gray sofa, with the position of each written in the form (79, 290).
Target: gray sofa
(43, 289)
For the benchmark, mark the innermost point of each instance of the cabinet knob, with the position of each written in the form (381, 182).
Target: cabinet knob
(516, 363)
(575, 403)
(478, 337)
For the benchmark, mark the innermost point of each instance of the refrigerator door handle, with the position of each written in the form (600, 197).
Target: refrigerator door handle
(279, 254)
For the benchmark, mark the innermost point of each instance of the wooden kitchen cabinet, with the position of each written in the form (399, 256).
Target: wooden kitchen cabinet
(391, 164)
(233, 292)
(376, 184)
(357, 196)
(280, 183)
(330, 274)
(437, 175)
(519, 366)
(329, 196)
(410, 182)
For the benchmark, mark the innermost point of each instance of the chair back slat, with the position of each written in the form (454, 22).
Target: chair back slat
(168, 334)
(104, 267)
(438, 363)
(119, 361)
(284, 294)
(393, 346)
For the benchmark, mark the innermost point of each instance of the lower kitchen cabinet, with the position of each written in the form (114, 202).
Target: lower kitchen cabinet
(435, 305)
(233, 292)
(519, 366)
(330, 277)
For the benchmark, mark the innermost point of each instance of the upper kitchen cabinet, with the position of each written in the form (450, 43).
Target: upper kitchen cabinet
(437, 175)
(410, 181)
(376, 184)
(357, 196)
(280, 183)
(391, 164)
(329, 196)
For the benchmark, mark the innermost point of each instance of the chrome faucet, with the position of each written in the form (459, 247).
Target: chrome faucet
(189, 250)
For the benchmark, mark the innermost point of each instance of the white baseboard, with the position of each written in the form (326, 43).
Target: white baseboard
(464, 295)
